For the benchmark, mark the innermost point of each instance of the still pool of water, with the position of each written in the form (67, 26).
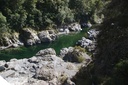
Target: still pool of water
(27, 52)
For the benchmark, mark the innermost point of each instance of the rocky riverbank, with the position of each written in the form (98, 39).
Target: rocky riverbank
(45, 68)
(29, 37)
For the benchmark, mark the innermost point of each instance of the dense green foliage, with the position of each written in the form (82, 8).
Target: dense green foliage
(110, 65)
(39, 14)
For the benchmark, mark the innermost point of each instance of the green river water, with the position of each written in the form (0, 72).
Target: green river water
(27, 52)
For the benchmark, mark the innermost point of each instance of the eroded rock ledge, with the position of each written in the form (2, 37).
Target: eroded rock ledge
(45, 68)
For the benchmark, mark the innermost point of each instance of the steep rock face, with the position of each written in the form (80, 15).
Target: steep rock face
(45, 68)
(29, 37)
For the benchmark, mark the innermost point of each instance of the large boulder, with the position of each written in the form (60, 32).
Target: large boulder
(93, 34)
(47, 36)
(76, 54)
(48, 51)
(64, 51)
(74, 27)
(29, 37)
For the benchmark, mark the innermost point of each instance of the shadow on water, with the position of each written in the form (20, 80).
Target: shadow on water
(27, 52)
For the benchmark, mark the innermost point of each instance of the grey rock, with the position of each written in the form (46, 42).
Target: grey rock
(93, 34)
(47, 36)
(2, 68)
(7, 73)
(46, 74)
(64, 51)
(74, 27)
(72, 54)
(48, 51)
(15, 45)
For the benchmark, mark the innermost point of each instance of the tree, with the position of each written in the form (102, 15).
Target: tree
(3, 23)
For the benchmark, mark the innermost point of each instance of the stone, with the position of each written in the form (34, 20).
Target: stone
(67, 31)
(76, 56)
(15, 45)
(47, 36)
(29, 37)
(2, 68)
(74, 27)
(7, 73)
(48, 51)
(93, 34)
(64, 51)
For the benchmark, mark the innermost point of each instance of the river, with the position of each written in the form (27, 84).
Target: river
(27, 52)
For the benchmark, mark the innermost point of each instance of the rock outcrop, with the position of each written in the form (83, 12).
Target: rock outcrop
(90, 42)
(45, 68)
(29, 37)
(47, 36)
(74, 55)
(66, 29)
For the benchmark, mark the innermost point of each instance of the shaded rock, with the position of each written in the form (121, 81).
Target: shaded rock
(2, 68)
(29, 37)
(74, 55)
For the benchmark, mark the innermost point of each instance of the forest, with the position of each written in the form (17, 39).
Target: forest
(41, 14)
